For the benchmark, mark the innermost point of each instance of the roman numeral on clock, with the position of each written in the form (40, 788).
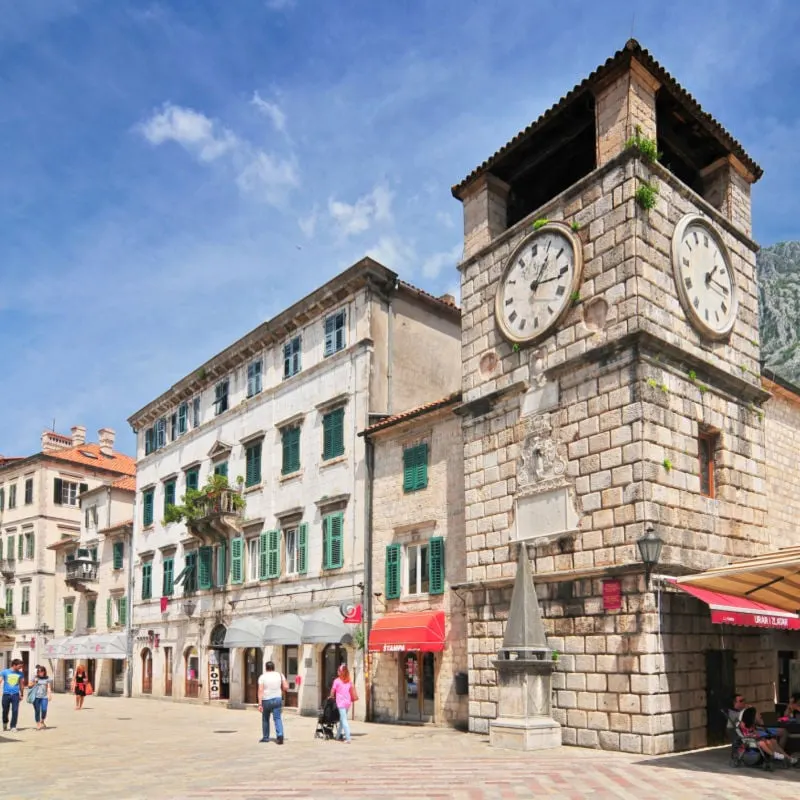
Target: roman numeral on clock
(688, 282)
(560, 291)
(512, 316)
(509, 301)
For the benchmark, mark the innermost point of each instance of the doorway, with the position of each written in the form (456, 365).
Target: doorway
(118, 683)
(26, 664)
(332, 656)
(253, 664)
(168, 672)
(147, 671)
(219, 661)
(417, 686)
(291, 665)
(720, 686)
(191, 659)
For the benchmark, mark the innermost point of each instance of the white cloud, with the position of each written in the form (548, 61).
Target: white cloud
(358, 217)
(256, 172)
(308, 224)
(393, 253)
(445, 219)
(272, 111)
(435, 263)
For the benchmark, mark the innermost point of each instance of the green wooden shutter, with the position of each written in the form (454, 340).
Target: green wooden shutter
(392, 587)
(58, 486)
(123, 610)
(147, 516)
(205, 567)
(11, 548)
(20, 544)
(253, 465)
(237, 573)
(290, 441)
(302, 549)
(332, 533)
(273, 554)
(422, 465)
(263, 556)
(409, 469)
(436, 565)
(222, 564)
(1, 549)
(192, 479)
(168, 581)
(333, 434)
(109, 613)
(2, 499)
(147, 581)
(68, 618)
(119, 549)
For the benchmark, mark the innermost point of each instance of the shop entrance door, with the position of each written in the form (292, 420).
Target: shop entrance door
(168, 672)
(290, 667)
(253, 665)
(118, 686)
(417, 687)
(720, 686)
(332, 657)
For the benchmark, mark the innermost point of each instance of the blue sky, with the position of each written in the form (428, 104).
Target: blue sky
(175, 173)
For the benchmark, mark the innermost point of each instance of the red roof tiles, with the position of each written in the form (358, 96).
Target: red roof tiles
(435, 405)
(126, 484)
(90, 455)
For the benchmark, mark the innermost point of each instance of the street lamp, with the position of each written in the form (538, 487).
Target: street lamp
(649, 551)
(189, 607)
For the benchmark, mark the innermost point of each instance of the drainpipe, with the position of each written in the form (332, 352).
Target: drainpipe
(129, 620)
(369, 458)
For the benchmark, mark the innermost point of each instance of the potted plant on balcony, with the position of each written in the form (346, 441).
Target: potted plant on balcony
(216, 497)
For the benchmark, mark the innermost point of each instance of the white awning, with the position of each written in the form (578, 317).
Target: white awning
(283, 629)
(54, 648)
(246, 632)
(104, 645)
(326, 626)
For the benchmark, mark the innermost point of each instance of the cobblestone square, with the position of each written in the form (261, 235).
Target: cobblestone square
(142, 748)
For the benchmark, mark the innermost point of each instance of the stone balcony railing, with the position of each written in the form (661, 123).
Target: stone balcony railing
(220, 516)
(81, 570)
(7, 623)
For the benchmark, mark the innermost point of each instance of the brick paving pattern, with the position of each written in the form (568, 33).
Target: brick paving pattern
(152, 749)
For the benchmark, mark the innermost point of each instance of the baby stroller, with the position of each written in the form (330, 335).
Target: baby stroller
(328, 717)
(744, 748)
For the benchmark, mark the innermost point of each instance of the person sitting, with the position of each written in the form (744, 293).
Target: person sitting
(793, 707)
(780, 734)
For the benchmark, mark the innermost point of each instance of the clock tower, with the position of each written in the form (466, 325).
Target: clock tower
(611, 384)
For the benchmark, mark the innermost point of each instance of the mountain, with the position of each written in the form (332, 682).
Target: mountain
(778, 269)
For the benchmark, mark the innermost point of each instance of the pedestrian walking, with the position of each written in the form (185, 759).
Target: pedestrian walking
(42, 689)
(13, 682)
(79, 683)
(345, 695)
(271, 686)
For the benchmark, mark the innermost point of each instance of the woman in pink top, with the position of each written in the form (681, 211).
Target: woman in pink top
(345, 695)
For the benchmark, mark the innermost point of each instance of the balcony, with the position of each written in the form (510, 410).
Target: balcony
(7, 568)
(217, 516)
(81, 572)
(7, 623)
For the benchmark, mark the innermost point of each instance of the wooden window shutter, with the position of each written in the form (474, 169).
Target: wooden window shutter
(193, 479)
(436, 565)
(273, 554)
(237, 573)
(109, 613)
(3, 498)
(84, 487)
(392, 587)
(168, 584)
(1, 549)
(333, 525)
(302, 548)
(58, 489)
(119, 549)
(123, 610)
(409, 470)
(204, 568)
(10, 548)
(222, 564)
(253, 465)
(20, 544)
(422, 465)
(147, 516)
(263, 566)
(147, 581)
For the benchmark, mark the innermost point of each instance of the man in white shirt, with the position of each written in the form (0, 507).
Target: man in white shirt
(271, 686)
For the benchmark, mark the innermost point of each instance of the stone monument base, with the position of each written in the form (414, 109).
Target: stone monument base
(532, 733)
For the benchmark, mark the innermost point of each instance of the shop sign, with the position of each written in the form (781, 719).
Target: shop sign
(393, 648)
(612, 595)
(213, 681)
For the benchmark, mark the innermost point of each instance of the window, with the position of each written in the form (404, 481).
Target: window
(149, 441)
(12, 496)
(254, 379)
(333, 434)
(118, 554)
(167, 577)
(121, 604)
(222, 565)
(109, 613)
(183, 418)
(9, 601)
(270, 555)
(707, 446)
(221, 469)
(90, 517)
(69, 617)
(189, 574)
(93, 554)
(205, 567)
(417, 569)
(91, 613)
(10, 553)
(196, 412)
(20, 545)
(290, 438)
(161, 433)
(25, 606)
(147, 580)
(193, 478)
(415, 467)
(252, 464)
(221, 397)
(173, 426)
(169, 494)
(30, 545)
(65, 493)
(148, 498)
(290, 544)
(253, 560)
(335, 333)
(333, 540)
(291, 357)
(28, 491)
(2, 499)
(237, 552)
(424, 569)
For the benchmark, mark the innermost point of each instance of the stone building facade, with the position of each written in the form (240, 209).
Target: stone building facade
(624, 413)
(416, 501)
(278, 413)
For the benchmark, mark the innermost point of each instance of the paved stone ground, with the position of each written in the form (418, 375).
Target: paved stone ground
(119, 748)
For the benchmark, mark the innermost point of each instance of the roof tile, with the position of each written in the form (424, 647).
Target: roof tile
(90, 455)
(434, 405)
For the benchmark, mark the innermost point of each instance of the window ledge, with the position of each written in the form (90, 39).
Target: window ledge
(295, 419)
(148, 528)
(256, 487)
(290, 476)
(333, 403)
(332, 461)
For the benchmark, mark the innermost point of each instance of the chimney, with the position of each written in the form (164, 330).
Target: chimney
(78, 435)
(106, 438)
(52, 441)
(448, 298)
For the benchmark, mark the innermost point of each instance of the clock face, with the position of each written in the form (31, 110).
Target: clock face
(538, 283)
(703, 272)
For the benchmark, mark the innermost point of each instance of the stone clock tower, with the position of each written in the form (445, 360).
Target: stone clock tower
(611, 384)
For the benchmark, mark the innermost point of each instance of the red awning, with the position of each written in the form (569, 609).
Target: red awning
(396, 633)
(727, 609)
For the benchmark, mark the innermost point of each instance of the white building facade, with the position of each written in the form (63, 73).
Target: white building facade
(278, 414)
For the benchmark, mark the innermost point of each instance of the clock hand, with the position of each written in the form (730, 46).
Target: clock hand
(536, 280)
(547, 280)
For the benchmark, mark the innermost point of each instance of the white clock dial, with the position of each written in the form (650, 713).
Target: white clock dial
(706, 282)
(538, 283)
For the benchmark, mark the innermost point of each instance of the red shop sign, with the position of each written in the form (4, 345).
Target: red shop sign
(612, 595)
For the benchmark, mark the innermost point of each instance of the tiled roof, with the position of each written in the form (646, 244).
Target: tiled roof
(126, 484)
(128, 523)
(632, 49)
(422, 293)
(435, 405)
(89, 455)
